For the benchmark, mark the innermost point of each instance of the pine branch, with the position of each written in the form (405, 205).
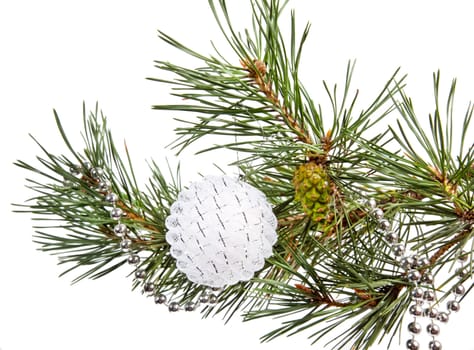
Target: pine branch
(70, 198)
(332, 266)
(264, 103)
(438, 182)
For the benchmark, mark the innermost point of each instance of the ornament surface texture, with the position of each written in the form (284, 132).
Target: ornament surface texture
(220, 231)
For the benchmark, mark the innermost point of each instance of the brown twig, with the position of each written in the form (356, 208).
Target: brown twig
(291, 220)
(128, 213)
(442, 178)
(465, 215)
(316, 297)
(445, 248)
(258, 72)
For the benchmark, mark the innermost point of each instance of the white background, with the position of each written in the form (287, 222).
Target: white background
(57, 54)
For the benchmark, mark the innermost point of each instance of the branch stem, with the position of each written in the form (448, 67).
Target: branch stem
(257, 71)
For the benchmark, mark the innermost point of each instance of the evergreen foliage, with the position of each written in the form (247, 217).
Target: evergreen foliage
(332, 273)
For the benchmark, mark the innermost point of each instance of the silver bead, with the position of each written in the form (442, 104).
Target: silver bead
(204, 298)
(433, 329)
(384, 225)
(103, 186)
(427, 278)
(149, 287)
(415, 310)
(212, 299)
(133, 259)
(443, 317)
(463, 256)
(459, 290)
(371, 203)
(190, 306)
(435, 345)
(414, 275)
(120, 229)
(417, 293)
(422, 261)
(453, 305)
(87, 165)
(431, 313)
(429, 295)
(116, 213)
(125, 245)
(407, 262)
(97, 173)
(398, 249)
(173, 307)
(414, 328)
(462, 272)
(377, 213)
(111, 197)
(392, 237)
(67, 183)
(140, 274)
(160, 299)
(75, 170)
(412, 344)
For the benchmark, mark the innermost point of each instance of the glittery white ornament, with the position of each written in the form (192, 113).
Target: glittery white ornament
(220, 231)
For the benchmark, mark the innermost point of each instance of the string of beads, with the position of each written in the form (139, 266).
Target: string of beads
(423, 292)
(416, 268)
(122, 232)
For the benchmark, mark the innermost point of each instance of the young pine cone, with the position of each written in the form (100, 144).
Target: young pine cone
(313, 190)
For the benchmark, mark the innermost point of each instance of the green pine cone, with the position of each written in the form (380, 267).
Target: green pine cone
(313, 190)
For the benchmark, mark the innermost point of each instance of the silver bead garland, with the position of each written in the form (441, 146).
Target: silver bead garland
(103, 185)
(416, 268)
(423, 292)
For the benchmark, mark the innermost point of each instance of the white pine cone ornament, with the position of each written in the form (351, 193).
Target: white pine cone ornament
(313, 190)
